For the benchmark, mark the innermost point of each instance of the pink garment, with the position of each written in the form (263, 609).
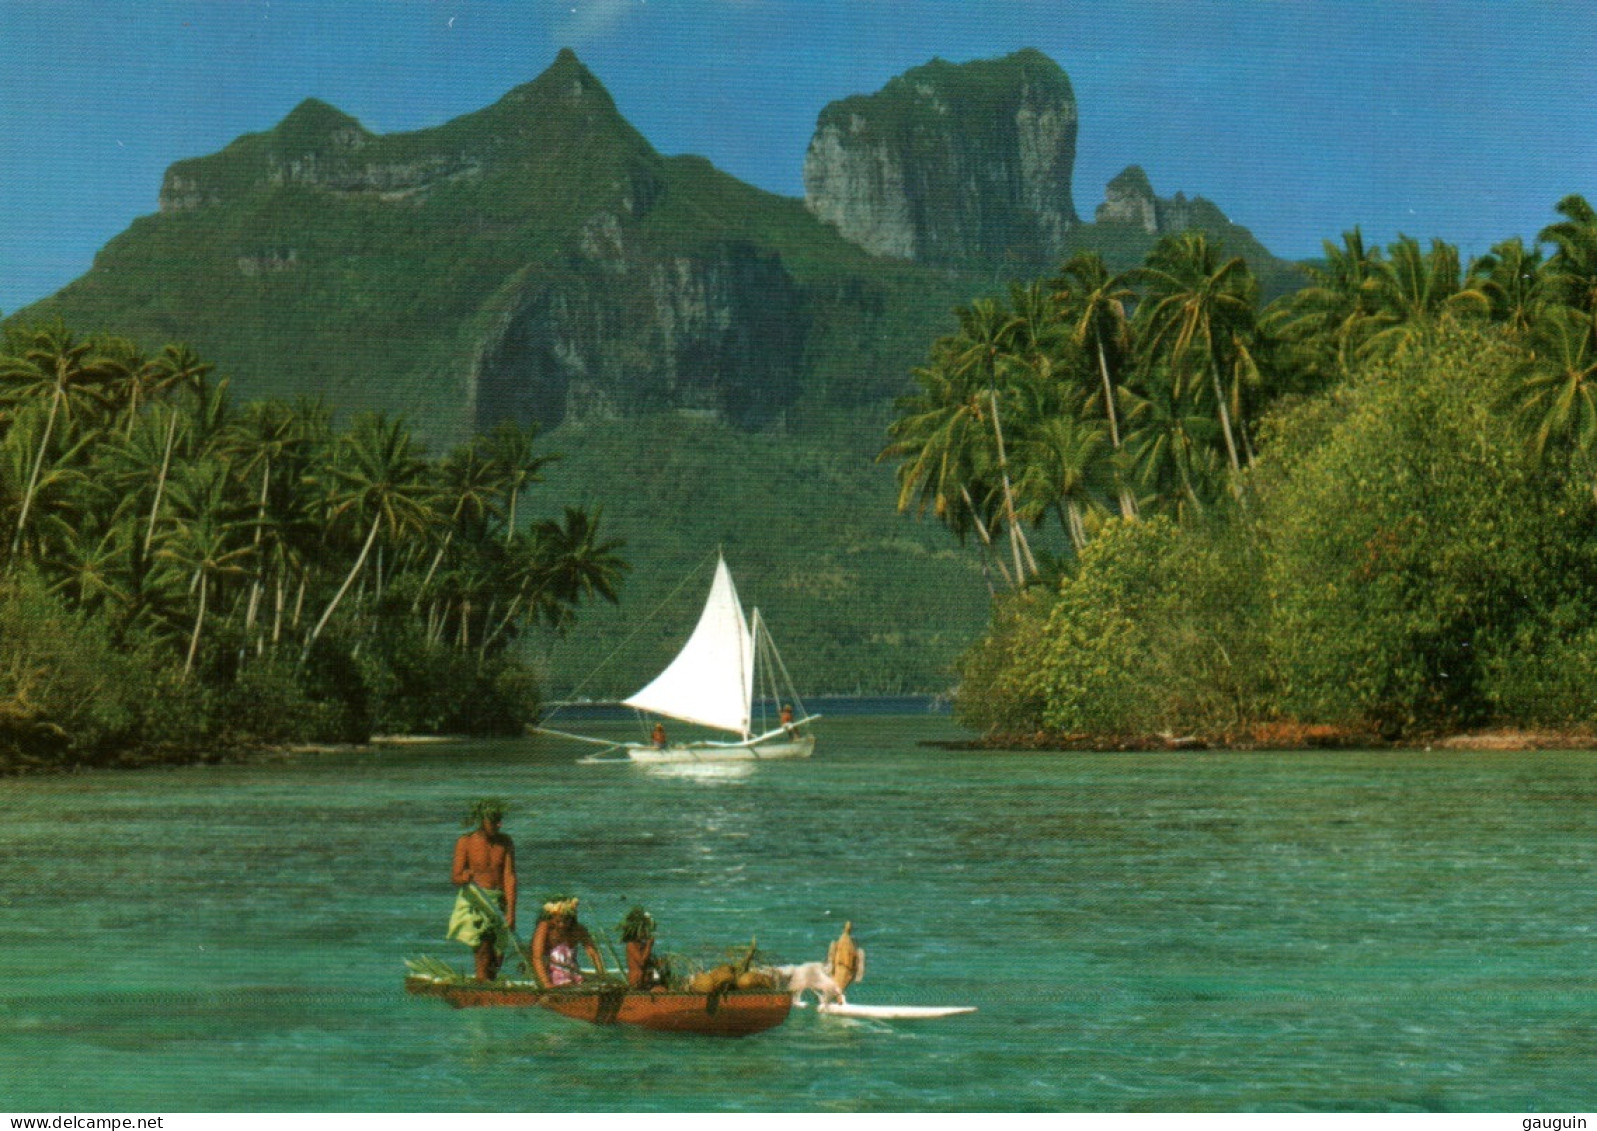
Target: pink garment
(563, 966)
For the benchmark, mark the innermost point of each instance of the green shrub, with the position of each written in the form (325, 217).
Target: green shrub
(1157, 630)
(1407, 542)
(420, 687)
(67, 695)
(1547, 675)
(268, 703)
(995, 693)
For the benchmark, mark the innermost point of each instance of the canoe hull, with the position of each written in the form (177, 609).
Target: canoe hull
(735, 1014)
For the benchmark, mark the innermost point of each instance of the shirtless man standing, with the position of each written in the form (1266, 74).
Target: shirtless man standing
(485, 857)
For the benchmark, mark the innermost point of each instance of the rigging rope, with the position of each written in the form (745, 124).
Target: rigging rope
(642, 624)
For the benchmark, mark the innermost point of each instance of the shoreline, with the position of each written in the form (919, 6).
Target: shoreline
(225, 755)
(1283, 739)
(1293, 738)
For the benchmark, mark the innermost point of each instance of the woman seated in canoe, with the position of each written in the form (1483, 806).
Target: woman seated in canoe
(555, 943)
(644, 970)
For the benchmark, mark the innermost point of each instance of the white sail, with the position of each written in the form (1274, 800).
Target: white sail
(711, 681)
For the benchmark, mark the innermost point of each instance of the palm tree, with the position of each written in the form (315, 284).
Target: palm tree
(1169, 445)
(205, 538)
(48, 501)
(57, 367)
(1511, 279)
(941, 440)
(1572, 268)
(1411, 289)
(1095, 303)
(469, 484)
(980, 357)
(556, 566)
(1199, 312)
(1558, 386)
(267, 438)
(179, 369)
(578, 564)
(510, 446)
(127, 371)
(1330, 318)
(379, 480)
(1067, 466)
(90, 567)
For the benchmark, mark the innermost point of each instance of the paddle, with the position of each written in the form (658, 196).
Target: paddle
(615, 955)
(486, 906)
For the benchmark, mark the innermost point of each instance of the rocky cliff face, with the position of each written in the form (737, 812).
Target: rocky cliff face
(951, 164)
(717, 333)
(1129, 199)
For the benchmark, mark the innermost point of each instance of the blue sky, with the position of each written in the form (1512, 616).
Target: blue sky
(1299, 118)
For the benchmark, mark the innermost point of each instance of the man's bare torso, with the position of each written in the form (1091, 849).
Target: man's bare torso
(480, 859)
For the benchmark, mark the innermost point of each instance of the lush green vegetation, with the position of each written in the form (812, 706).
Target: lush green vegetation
(178, 576)
(1370, 506)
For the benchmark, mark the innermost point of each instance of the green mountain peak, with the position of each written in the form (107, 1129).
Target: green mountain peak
(314, 119)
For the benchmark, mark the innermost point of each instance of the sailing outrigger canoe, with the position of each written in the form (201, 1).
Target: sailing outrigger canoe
(712, 684)
(735, 1013)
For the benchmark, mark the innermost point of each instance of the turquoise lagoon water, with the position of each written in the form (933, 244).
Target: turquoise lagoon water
(1387, 931)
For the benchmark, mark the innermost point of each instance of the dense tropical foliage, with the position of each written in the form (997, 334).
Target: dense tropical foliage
(178, 574)
(1370, 505)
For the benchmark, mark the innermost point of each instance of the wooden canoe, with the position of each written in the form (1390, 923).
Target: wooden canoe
(736, 1013)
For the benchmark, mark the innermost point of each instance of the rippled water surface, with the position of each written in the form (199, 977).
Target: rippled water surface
(1139, 931)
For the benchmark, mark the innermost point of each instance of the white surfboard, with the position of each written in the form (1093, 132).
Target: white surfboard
(893, 1012)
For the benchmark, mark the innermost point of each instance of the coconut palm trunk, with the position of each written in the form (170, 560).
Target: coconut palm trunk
(199, 623)
(255, 543)
(33, 476)
(987, 544)
(354, 571)
(510, 614)
(1128, 503)
(160, 481)
(1017, 537)
(1225, 425)
(432, 569)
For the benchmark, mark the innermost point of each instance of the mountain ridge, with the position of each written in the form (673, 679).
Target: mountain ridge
(651, 282)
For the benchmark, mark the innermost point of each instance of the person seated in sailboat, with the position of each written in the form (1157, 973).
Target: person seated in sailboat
(658, 736)
(555, 943)
(787, 720)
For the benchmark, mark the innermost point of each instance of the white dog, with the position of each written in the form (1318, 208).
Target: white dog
(811, 976)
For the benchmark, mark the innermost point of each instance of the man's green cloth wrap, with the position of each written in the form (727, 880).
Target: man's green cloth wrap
(471, 926)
